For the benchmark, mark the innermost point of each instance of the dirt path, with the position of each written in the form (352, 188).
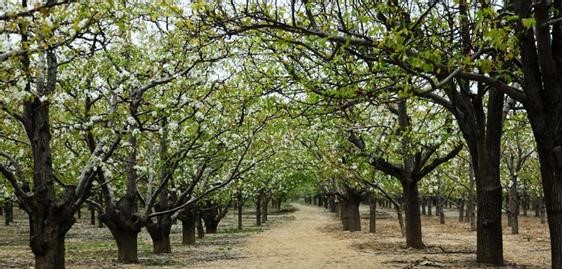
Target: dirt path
(299, 244)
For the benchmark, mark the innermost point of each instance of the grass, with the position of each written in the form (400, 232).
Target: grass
(90, 247)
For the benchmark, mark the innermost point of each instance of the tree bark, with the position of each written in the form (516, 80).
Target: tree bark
(351, 219)
(188, 231)
(200, 230)
(92, 215)
(372, 214)
(52, 254)
(489, 230)
(400, 219)
(461, 210)
(332, 204)
(240, 205)
(264, 210)
(211, 226)
(188, 218)
(439, 209)
(513, 206)
(9, 211)
(258, 208)
(127, 249)
(412, 212)
(159, 232)
(429, 205)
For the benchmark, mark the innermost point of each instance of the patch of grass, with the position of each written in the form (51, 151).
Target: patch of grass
(88, 246)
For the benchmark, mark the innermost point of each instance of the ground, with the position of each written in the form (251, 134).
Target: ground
(311, 237)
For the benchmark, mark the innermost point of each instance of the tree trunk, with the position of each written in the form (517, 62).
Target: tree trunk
(429, 205)
(423, 205)
(125, 229)
(471, 205)
(162, 244)
(211, 226)
(412, 212)
(264, 210)
(372, 214)
(8, 212)
(537, 207)
(100, 222)
(489, 230)
(127, 250)
(52, 255)
(525, 199)
(513, 206)
(332, 206)
(338, 209)
(461, 210)
(400, 219)
(92, 215)
(542, 210)
(188, 219)
(439, 209)
(550, 157)
(240, 205)
(351, 219)
(159, 232)
(47, 231)
(258, 208)
(188, 231)
(200, 230)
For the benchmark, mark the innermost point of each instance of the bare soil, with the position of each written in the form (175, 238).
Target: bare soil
(309, 238)
(315, 240)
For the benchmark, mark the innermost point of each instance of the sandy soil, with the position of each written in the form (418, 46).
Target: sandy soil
(299, 244)
(315, 240)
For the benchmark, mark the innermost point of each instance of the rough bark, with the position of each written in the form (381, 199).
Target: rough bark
(188, 218)
(429, 206)
(188, 231)
(52, 254)
(461, 210)
(351, 219)
(513, 206)
(412, 212)
(258, 208)
(121, 217)
(400, 219)
(264, 210)
(200, 229)
(240, 209)
(439, 209)
(159, 232)
(92, 215)
(127, 249)
(349, 202)
(372, 214)
(212, 215)
(332, 204)
(9, 211)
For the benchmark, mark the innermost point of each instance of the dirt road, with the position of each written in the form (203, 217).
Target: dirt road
(299, 244)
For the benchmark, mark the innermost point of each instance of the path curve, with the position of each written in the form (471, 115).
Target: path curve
(297, 244)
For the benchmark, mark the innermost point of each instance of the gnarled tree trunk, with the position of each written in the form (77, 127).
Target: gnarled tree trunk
(351, 218)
